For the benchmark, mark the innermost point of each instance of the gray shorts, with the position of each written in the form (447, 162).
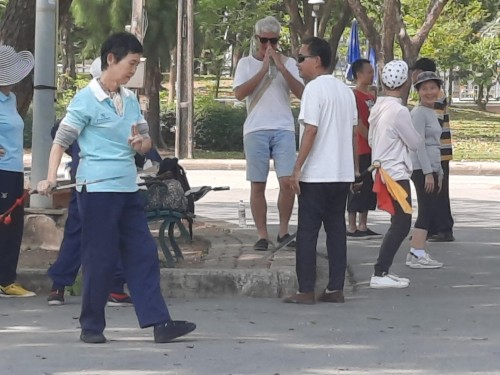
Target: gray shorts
(263, 145)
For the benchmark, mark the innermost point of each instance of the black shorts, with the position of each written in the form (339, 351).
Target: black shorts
(365, 199)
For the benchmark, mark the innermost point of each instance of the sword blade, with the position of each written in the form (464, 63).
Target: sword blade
(69, 186)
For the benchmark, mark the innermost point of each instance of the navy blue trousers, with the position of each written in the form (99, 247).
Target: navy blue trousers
(11, 235)
(321, 203)
(65, 269)
(115, 224)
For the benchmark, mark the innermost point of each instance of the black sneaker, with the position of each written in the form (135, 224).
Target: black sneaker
(56, 297)
(166, 332)
(368, 234)
(286, 239)
(261, 245)
(90, 337)
(119, 300)
(356, 234)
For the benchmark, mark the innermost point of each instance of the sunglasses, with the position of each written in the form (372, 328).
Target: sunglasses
(267, 40)
(302, 58)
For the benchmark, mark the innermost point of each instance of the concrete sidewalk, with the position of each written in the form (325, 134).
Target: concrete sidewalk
(456, 167)
(230, 266)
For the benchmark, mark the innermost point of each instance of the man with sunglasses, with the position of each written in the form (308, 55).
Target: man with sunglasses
(323, 172)
(265, 80)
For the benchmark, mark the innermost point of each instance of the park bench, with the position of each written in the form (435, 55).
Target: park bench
(170, 219)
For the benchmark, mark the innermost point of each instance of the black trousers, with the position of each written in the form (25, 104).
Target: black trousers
(365, 199)
(399, 229)
(11, 188)
(321, 203)
(427, 202)
(442, 220)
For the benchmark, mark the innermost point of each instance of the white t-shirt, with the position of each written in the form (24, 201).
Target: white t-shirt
(330, 105)
(272, 111)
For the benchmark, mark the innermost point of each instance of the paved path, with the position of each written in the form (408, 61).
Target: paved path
(446, 322)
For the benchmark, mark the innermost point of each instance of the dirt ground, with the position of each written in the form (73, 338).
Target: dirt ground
(193, 251)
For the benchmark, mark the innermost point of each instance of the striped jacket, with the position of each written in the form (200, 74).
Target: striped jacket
(441, 109)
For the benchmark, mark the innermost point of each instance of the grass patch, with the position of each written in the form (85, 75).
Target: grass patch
(204, 154)
(475, 134)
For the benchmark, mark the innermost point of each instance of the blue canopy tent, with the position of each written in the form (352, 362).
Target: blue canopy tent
(353, 49)
(372, 56)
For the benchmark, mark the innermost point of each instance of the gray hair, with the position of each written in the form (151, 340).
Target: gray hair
(268, 24)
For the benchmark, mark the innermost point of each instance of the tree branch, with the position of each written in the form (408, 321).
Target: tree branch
(338, 30)
(367, 25)
(430, 19)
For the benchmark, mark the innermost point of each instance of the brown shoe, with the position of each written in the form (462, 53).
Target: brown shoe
(301, 298)
(335, 297)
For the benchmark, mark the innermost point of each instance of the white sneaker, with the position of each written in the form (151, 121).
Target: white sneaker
(404, 279)
(388, 281)
(423, 262)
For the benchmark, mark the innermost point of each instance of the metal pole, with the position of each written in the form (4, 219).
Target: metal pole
(44, 94)
(189, 79)
(315, 24)
(184, 85)
(178, 86)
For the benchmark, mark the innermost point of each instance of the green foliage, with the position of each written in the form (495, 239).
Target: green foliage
(218, 127)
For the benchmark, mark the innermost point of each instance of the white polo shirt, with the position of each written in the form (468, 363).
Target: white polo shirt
(330, 105)
(103, 138)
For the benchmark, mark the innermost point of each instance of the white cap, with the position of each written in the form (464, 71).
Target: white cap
(95, 68)
(395, 74)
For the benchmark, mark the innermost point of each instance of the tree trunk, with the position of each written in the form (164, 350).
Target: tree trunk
(480, 95)
(68, 50)
(450, 86)
(152, 91)
(18, 31)
(172, 75)
(338, 30)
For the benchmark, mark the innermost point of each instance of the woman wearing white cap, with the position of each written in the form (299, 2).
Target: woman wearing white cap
(391, 137)
(427, 171)
(14, 66)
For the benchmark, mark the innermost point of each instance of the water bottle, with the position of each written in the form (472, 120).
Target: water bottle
(242, 219)
(273, 71)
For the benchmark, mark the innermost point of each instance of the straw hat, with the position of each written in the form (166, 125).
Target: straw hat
(395, 74)
(14, 66)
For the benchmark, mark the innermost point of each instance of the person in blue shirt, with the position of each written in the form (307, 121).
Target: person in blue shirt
(64, 270)
(14, 66)
(106, 120)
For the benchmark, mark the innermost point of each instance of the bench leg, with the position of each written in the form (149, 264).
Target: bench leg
(163, 244)
(173, 241)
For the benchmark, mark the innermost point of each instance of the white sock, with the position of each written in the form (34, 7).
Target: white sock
(419, 253)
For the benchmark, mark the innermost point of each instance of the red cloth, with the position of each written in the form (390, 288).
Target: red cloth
(364, 102)
(384, 199)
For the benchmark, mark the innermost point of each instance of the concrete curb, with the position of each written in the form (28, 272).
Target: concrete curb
(456, 167)
(199, 283)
